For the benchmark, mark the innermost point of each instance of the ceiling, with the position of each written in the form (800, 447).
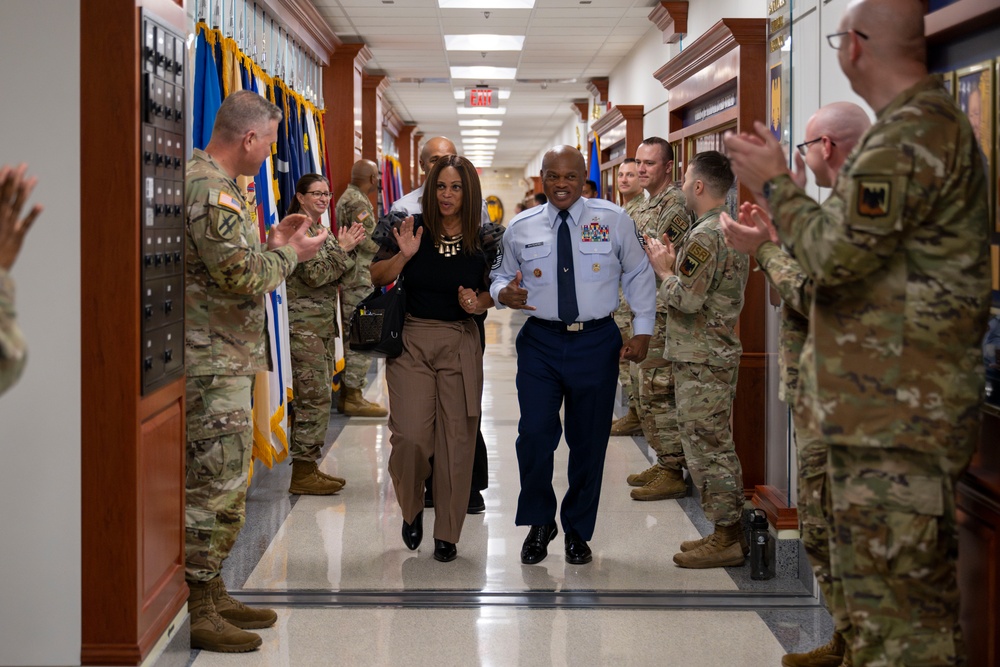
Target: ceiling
(567, 43)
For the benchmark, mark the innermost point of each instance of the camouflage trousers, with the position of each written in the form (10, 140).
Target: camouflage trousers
(814, 525)
(895, 547)
(219, 444)
(313, 359)
(704, 397)
(623, 318)
(356, 364)
(653, 385)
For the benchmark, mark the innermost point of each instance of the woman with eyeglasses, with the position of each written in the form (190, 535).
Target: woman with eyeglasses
(312, 328)
(435, 386)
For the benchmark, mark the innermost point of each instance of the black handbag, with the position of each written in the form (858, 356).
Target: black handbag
(377, 323)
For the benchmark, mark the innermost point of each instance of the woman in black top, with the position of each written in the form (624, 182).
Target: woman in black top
(435, 386)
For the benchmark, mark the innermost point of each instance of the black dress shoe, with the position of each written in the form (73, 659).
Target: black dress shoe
(413, 532)
(444, 551)
(535, 547)
(476, 503)
(577, 551)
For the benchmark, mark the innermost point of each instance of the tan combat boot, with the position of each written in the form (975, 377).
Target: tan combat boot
(308, 481)
(237, 613)
(645, 477)
(690, 545)
(627, 425)
(341, 396)
(830, 654)
(665, 484)
(211, 632)
(721, 549)
(355, 404)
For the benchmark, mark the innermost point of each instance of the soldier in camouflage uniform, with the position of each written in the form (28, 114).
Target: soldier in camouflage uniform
(663, 212)
(312, 328)
(14, 192)
(632, 196)
(356, 283)
(703, 291)
(831, 134)
(227, 274)
(891, 372)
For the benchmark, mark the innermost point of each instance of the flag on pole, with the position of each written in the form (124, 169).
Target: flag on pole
(595, 163)
(207, 90)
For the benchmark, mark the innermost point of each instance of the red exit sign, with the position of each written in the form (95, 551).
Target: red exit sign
(482, 97)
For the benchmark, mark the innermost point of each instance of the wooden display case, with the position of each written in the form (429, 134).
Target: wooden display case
(620, 133)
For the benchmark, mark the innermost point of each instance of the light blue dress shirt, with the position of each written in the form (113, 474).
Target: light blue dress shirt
(607, 250)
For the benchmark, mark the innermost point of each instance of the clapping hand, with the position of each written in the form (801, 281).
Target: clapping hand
(662, 256)
(293, 231)
(751, 230)
(14, 192)
(350, 237)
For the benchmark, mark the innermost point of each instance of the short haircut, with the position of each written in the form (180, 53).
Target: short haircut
(713, 168)
(666, 150)
(242, 112)
(628, 160)
(592, 184)
(472, 201)
(301, 188)
(540, 198)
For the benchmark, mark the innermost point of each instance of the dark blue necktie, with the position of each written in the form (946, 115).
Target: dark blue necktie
(565, 279)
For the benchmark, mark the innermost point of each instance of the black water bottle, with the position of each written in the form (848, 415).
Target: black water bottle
(762, 547)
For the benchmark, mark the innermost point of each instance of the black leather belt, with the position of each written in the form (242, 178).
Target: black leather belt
(575, 327)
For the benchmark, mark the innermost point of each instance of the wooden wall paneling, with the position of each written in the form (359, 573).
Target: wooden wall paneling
(132, 471)
(979, 572)
(342, 81)
(731, 55)
(404, 142)
(372, 88)
(417, 138)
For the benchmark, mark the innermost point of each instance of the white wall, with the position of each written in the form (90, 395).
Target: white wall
(40, 417)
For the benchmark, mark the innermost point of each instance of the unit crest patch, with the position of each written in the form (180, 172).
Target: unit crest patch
(873, 198)
(695, 257)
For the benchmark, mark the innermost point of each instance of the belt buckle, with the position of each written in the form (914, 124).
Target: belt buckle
(576, 326)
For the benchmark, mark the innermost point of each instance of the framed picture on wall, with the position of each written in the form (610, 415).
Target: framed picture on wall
(949, 82)
(976, 92)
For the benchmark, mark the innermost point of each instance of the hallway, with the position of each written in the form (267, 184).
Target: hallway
(347, 591)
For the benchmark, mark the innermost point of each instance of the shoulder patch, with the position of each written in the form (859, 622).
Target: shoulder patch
(228, 201)
(362, 216)
(227, 225)
(678, 225)
(694, 258)
(873, 198)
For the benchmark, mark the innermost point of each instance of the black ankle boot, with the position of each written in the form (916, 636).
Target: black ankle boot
(413, 532)
(445, 551)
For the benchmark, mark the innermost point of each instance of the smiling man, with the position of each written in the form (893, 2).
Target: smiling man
(563, 262)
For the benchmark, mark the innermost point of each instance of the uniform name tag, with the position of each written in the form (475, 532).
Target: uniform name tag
(533, 245)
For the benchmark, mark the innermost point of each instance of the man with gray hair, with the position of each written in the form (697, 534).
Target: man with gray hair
(227, 274)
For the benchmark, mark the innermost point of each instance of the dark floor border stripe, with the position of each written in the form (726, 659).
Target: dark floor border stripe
(723, 601)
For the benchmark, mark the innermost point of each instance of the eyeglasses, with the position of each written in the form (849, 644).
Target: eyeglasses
(320, 195)
(803, 148)
(836, 40)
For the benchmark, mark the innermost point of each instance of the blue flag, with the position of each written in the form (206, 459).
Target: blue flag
(207, 93)
(595, 164)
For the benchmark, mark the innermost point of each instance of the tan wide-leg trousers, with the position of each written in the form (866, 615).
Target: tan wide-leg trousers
(435, 392)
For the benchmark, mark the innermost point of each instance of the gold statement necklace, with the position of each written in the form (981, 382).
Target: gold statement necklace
(449, 246)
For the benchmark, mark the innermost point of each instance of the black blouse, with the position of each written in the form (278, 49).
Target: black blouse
(432, 280)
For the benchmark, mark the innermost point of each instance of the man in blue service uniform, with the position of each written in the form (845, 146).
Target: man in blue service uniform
(563, 262)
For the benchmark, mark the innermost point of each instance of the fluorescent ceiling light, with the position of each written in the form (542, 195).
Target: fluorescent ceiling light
(483, 42)
(504, 93)
(482, 111)
(480, 122)
(480, 142)
(483, 72)
(486, 4)
(480, 133)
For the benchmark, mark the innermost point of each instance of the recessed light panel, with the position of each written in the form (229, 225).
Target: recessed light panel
(483, 42)
(483, 72)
